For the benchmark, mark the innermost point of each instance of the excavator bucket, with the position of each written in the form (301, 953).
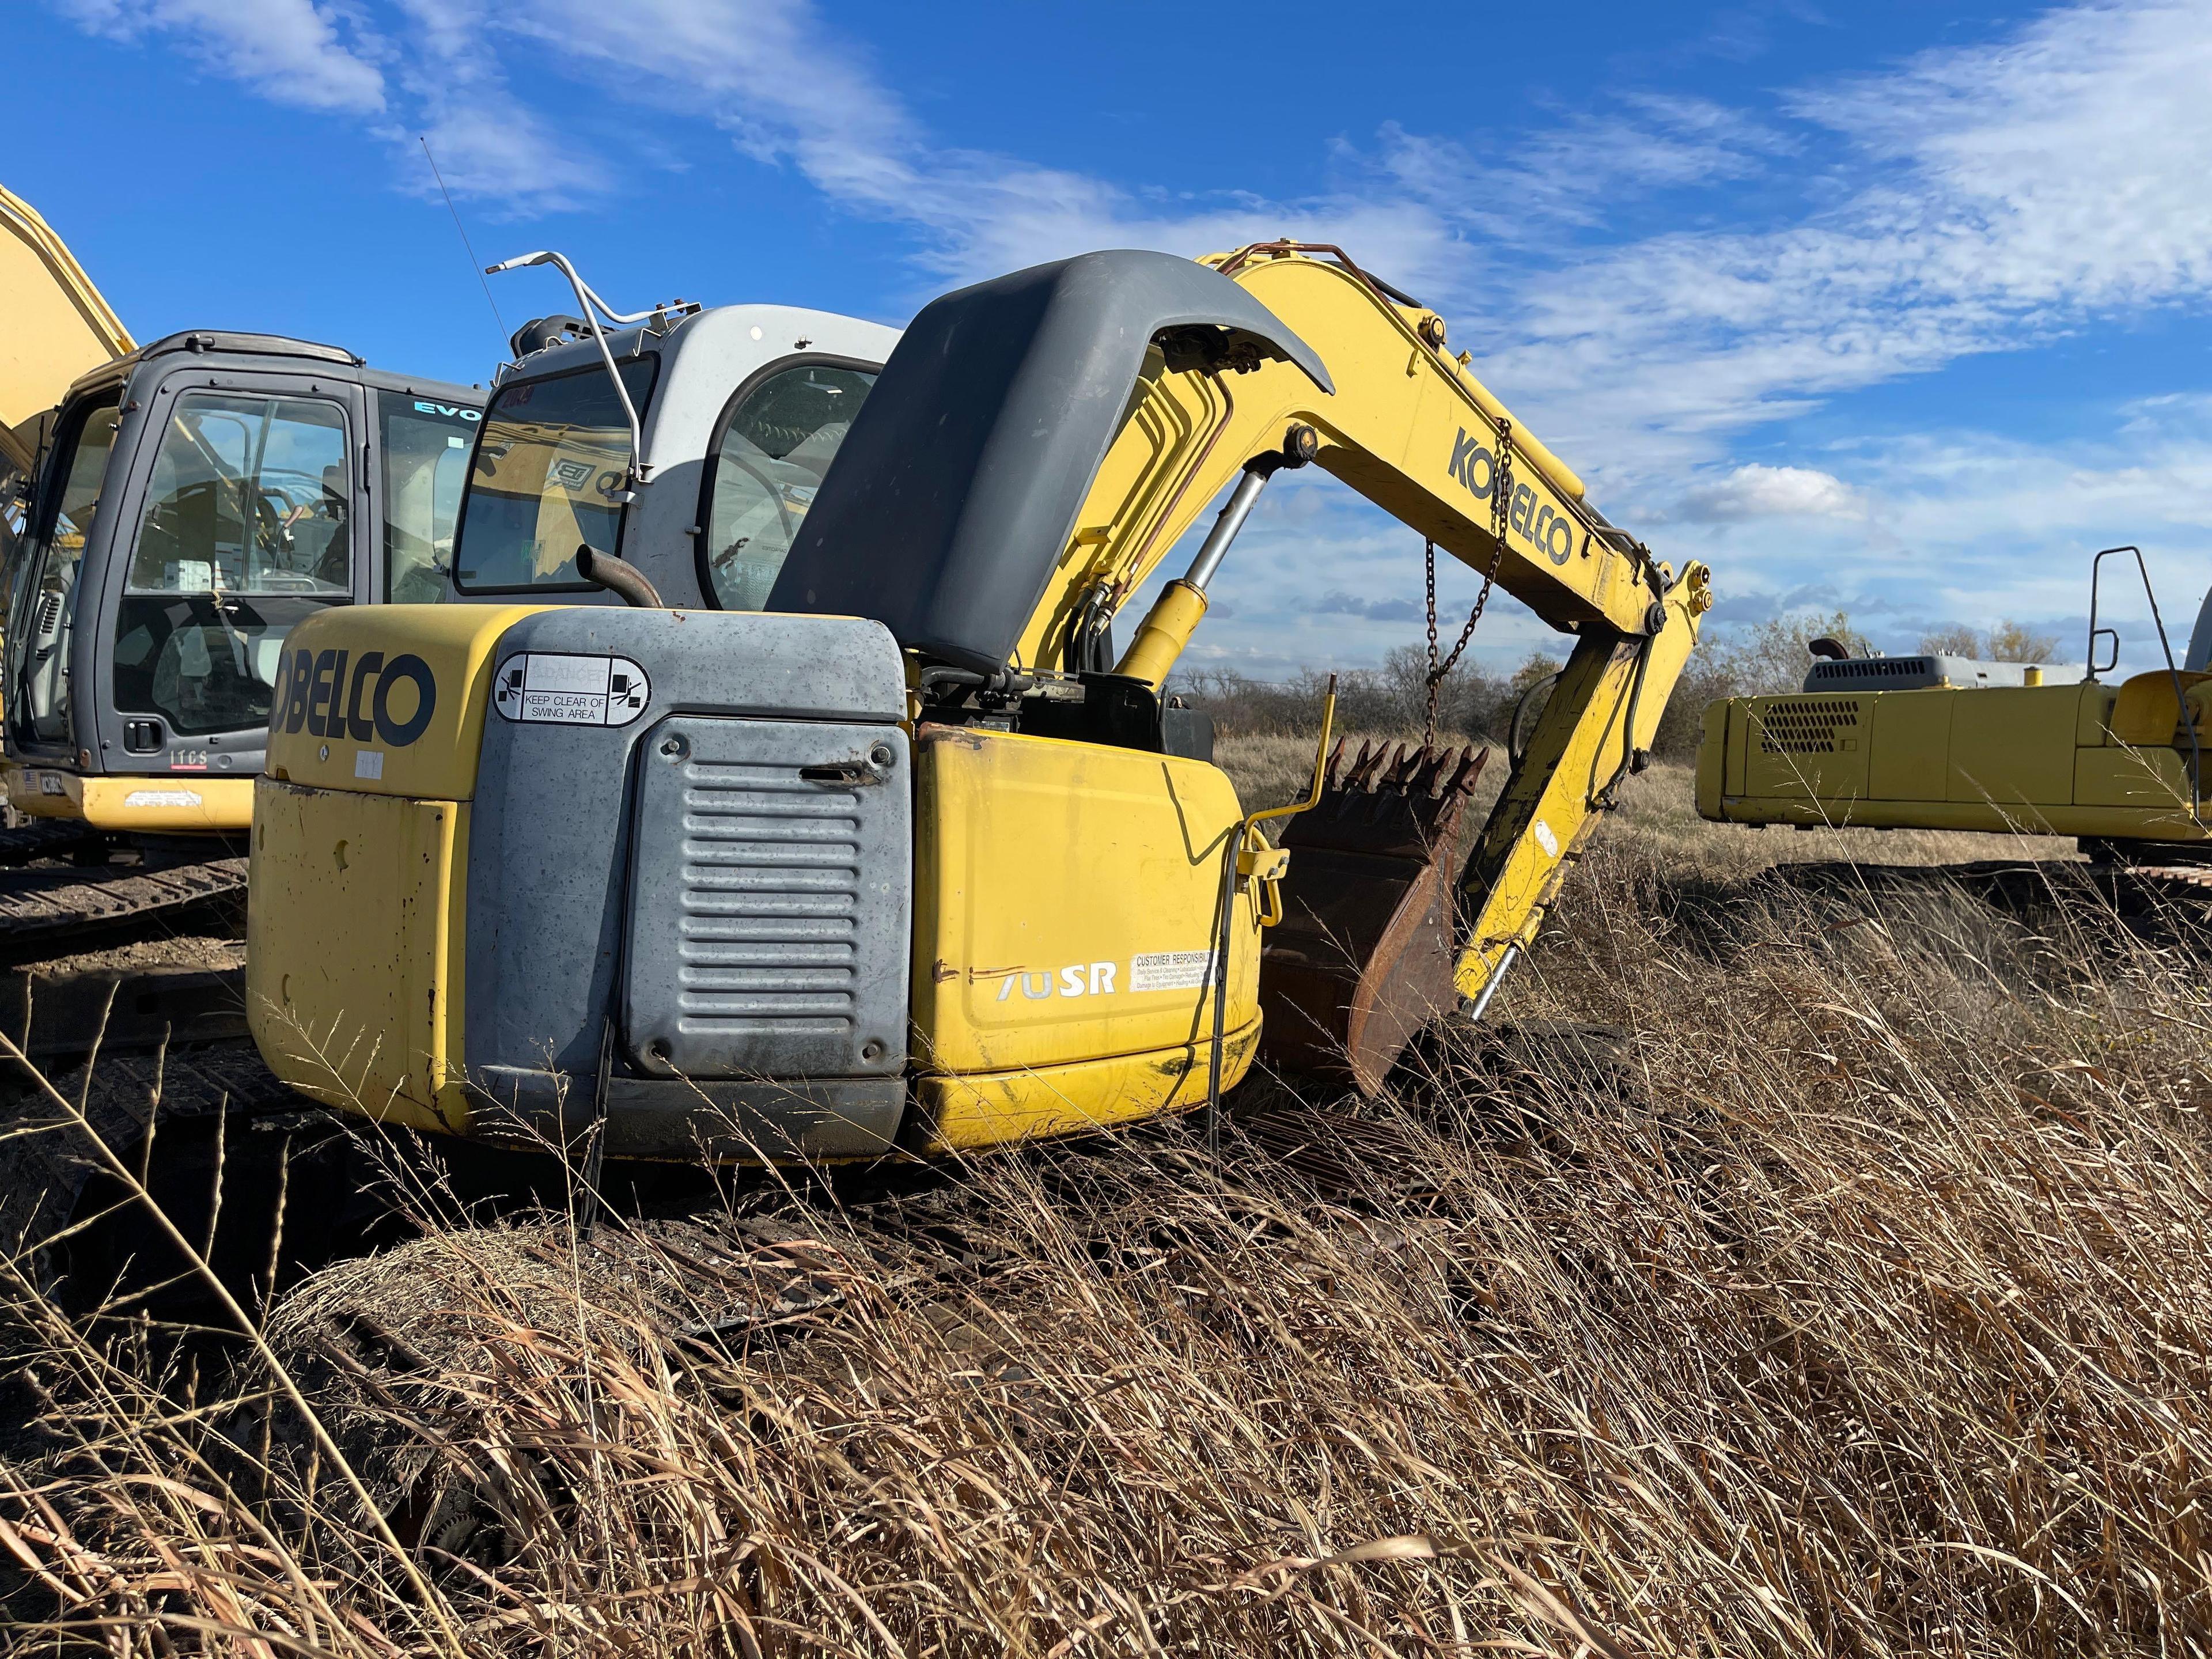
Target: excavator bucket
(1363, 956)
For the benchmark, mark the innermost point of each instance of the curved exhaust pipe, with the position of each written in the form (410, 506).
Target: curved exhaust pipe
(619, 576)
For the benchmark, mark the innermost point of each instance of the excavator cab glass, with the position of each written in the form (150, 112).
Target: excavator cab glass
(426, 468)
(43, 594)
(780, 439)
(549, 475)
(247, 529)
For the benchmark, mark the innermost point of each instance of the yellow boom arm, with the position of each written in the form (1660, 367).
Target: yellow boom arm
(1412, 429)
(58, 325)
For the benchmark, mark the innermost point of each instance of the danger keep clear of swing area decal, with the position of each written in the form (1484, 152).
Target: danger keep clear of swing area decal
(554, 688)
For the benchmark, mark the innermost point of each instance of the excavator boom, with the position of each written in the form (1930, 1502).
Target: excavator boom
(58, 325)
(1405, 423)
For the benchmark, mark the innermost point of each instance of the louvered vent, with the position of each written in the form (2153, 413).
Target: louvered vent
(1922, 671)
(1806, 728)
(768, 932)
(769, 897)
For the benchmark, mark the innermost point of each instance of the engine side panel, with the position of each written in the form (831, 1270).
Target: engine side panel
(1066, 901)
(771, 906)
(2051, 759)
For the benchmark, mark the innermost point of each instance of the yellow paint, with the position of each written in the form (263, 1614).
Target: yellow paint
(2146, 710)
(1910, 746)
(183, 802)
(1712, 758)
(2008, 744)
(1043, 870)
(978, 1111)
(1578, 746)
(456, 643)
(376, 1026)
(1164, 632)
(2066, 760)
(59, 328)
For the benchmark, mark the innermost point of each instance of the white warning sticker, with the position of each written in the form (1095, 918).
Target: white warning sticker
(368, 763)
(1546, 839)
(1171, 970)
(162, 798)
(555, 689)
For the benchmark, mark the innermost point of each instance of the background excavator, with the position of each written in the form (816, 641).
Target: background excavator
(904, 857)
(1935, 742)
(179, 505)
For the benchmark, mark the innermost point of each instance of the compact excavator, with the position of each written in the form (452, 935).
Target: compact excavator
(1933, 742)
(868, 842)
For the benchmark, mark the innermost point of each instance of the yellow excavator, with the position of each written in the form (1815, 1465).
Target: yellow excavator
(1933, 742)
(907, 859)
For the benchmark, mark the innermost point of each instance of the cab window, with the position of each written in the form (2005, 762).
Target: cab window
(777, 444)
(548, 474)
(426, 468)
(246, 530)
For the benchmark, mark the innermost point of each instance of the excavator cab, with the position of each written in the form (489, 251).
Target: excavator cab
(690, 445)
(892, 862)
(200, 497)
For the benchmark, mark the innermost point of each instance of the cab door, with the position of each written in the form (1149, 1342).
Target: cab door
(248, 515)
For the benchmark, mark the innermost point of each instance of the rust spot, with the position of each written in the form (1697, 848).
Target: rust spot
(960, 736)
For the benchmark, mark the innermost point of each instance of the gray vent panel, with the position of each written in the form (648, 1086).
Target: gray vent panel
(768, 926)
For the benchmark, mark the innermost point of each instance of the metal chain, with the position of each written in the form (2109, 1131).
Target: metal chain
(1501, 488)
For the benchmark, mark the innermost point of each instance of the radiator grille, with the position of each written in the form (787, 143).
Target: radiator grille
(768, 911)
(769, 897)
(1806, 728)
(1921, 669)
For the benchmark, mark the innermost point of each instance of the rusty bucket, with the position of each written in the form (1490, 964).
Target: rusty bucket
(1363, 957)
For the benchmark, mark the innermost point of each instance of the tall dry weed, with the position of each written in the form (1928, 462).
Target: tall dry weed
(1795, 1265)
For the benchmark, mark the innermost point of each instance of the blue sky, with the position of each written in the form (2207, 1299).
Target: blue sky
(1897, 307)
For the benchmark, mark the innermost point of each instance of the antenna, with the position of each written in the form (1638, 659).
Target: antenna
(467, 247)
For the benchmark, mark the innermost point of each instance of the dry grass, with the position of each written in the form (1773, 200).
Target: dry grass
(1790, 1269)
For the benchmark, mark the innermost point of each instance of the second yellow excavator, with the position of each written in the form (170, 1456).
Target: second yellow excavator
(907, 859)
(1936, 742)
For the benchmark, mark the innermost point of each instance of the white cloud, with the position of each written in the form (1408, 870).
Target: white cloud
(1756, 491)
(488, 143)
(289, 51)
(2004, 193)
